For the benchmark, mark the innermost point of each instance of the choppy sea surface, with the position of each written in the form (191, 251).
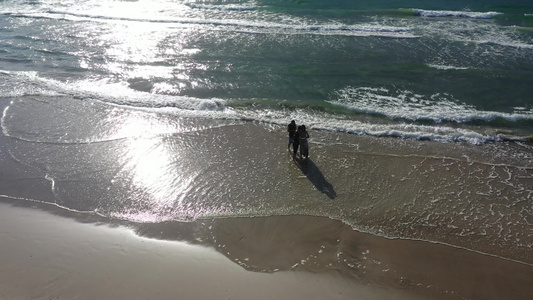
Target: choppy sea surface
(458, 72)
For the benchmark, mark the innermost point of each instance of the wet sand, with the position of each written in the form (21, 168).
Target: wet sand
(47, 256)
(321, 246)
(43, 256)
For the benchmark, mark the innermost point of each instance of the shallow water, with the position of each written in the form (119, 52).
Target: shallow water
(144, 167)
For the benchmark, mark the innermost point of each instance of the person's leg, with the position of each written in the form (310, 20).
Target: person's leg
(304, 149)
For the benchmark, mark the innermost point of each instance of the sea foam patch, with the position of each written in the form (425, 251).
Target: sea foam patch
(404, 104)
(223, 7)
(458, 14)
(393, 104)
(446, 67)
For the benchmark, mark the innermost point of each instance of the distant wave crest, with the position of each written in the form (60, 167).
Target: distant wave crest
(458, 14)
(446, 67)
(252, 26)
(235, 7)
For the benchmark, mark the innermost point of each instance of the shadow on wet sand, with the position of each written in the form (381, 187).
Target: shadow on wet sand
(313, 173)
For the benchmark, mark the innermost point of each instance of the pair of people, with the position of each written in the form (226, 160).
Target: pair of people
(298, 138)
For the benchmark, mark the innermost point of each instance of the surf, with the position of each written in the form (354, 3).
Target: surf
(455, 14)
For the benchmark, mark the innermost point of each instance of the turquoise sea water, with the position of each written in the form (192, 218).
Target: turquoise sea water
(81, 81)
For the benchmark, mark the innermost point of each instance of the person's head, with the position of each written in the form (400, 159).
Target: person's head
(303, 127)
(292, 122)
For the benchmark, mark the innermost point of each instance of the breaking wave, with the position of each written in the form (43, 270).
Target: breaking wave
(403, 104)
(456, 14)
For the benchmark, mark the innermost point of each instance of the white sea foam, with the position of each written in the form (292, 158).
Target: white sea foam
(470, 30)
(336, 123)
(225, 7)
(461, 14)
(395, 104)
(404, 104)
(446, 68)
(508, 43)
(291, 26)
(30, 84)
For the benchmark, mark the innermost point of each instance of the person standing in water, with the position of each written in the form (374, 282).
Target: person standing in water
(304, 144)
(291, 128)
(296, 143)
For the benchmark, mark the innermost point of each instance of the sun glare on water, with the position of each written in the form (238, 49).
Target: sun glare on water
(159, 174)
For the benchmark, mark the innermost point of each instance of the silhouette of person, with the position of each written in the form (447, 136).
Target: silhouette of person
(291, 128)
(303, 135)
(296, 142)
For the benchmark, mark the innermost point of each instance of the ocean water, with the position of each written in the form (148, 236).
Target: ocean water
(75, 74)
(450, 70)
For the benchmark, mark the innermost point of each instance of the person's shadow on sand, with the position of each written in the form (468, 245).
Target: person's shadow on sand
(312, 172)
